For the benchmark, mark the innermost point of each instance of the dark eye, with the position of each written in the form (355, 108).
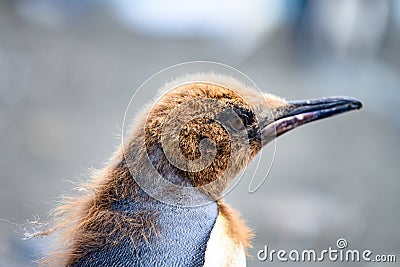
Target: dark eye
(236, 123)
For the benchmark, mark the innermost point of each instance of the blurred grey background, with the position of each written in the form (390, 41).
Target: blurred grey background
(68, 69)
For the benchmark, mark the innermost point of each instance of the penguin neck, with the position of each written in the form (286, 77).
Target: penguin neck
(157, 178)
(180, 215)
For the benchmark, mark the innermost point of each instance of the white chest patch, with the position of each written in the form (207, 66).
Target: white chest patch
(221, 249)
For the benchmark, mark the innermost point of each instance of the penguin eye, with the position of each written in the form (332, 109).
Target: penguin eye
(237, 123)
(244, 118)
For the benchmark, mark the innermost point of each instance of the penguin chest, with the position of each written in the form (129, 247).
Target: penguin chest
(221, 249)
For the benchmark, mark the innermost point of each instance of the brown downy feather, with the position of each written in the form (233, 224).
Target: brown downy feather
(236, 227)
(86, 222)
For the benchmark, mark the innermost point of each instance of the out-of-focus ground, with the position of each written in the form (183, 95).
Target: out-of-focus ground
(69, 68)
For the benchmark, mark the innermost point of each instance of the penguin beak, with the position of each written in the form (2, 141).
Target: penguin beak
(300, 112)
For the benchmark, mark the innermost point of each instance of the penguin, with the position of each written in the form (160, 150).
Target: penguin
(159, 200)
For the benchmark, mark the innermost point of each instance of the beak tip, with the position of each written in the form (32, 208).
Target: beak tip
(354, 102)
(359, 105)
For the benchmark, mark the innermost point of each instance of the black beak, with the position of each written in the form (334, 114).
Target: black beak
(300, 112)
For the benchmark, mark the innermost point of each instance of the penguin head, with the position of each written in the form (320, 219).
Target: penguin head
(204, 129)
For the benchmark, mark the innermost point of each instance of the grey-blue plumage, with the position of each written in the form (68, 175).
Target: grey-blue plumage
(184, 233)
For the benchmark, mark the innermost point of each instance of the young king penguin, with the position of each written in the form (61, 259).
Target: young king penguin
(158, 202)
